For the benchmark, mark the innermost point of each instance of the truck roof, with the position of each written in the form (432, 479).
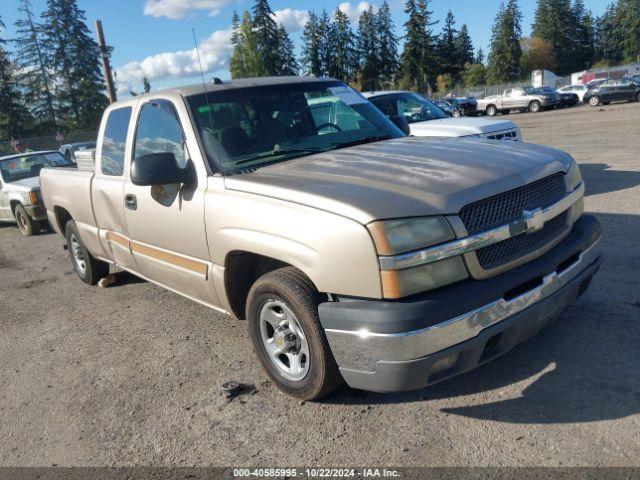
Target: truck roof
(241, 83)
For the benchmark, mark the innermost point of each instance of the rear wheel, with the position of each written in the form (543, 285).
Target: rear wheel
(456, 113)
(25, 224)
(282, 314)
(492, 111)
(638, 97)
(89, 269)
(535, 106)
(594, 101)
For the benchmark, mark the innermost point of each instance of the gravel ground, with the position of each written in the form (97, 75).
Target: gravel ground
(131, 375)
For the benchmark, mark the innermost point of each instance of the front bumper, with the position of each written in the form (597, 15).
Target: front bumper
(408, 344)
(550, 101)
(36, 212)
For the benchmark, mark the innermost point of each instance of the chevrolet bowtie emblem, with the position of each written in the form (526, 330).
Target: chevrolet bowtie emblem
(534, 219)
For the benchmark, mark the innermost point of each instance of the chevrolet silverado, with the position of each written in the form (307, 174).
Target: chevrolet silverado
(354, 253)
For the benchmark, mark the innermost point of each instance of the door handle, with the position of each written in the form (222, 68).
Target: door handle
(130, 201)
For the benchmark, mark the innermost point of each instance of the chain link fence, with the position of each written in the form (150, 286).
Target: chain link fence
(482, 91)
(49, 142)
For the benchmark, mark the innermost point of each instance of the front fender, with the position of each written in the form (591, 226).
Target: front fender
(335, 252)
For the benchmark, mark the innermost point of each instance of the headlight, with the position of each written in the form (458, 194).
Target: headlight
(409, 281)
(393, 237)
(574, 178)
(398, 236)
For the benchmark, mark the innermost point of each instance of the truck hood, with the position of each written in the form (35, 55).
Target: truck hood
(24, 185)
(404, 177)
(459, 127)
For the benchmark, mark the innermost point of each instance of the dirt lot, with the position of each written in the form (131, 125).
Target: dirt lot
(131, 375)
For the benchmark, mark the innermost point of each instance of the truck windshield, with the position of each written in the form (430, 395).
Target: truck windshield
(19, 167)
(250, 127)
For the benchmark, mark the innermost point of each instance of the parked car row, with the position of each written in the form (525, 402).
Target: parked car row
(596, 92)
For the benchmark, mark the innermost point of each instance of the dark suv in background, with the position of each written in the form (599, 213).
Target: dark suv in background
(613, 90)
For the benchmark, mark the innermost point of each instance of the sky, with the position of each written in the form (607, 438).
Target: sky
(154, 38)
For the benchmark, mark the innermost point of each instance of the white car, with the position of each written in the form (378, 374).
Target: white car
(426, 119)
(578, 89)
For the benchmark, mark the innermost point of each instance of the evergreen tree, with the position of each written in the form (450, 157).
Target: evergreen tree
(342, 41)
(267, 37)
(388, 46)
(474, 74)
(582, 37)
(245, 59)
(629, 25)
(504, 57)
(74, 58)
(368, 50)
(34, 77)
(480, 56)
(286, 54)
(310, 55)
(447, 48)
(555, 24)
(608, 40)
(14, 117)
(465, 52)
(418, 58)
(325, 33)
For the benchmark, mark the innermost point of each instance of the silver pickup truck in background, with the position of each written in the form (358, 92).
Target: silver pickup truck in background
(20, 199)
(525, 98)
(354, 253)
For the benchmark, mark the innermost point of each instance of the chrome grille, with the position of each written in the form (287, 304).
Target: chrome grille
(506, 251)
(508, 206)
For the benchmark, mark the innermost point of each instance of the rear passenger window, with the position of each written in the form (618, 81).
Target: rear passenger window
(114, 141)
(159, 131)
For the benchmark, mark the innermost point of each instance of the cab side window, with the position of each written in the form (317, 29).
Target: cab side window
(159, 131)
(114, 141)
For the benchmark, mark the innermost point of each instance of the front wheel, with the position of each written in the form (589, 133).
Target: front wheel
(456, 113)
(535, 106)
(89, 269)
(638, 97)
(282, 314)
(26, 225)
(492, 111)
(594, 101)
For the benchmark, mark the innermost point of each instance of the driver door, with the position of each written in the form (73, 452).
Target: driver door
(166, 222)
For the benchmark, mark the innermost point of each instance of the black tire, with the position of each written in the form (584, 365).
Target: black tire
(457, 114)
(638, 97)
(535, 106)
(492, 110)
(93, 269)
(296, 291)
(26, 226)
(594, 101)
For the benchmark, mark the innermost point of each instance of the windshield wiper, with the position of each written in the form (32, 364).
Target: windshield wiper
(282, 151)
(361, 141)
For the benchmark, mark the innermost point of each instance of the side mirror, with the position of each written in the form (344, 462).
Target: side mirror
(159, 169)
(401, 122)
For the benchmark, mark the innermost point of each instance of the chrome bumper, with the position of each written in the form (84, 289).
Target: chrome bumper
(362, 350)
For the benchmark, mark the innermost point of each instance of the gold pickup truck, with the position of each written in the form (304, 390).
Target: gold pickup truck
(353, 252)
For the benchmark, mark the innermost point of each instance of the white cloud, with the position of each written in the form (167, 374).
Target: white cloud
(215, 52)
(176, 9)
(293, 20)
(354, 11)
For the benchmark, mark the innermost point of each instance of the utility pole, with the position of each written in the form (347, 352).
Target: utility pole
(105, 51)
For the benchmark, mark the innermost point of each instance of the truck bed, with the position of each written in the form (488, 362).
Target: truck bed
(68, 189)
